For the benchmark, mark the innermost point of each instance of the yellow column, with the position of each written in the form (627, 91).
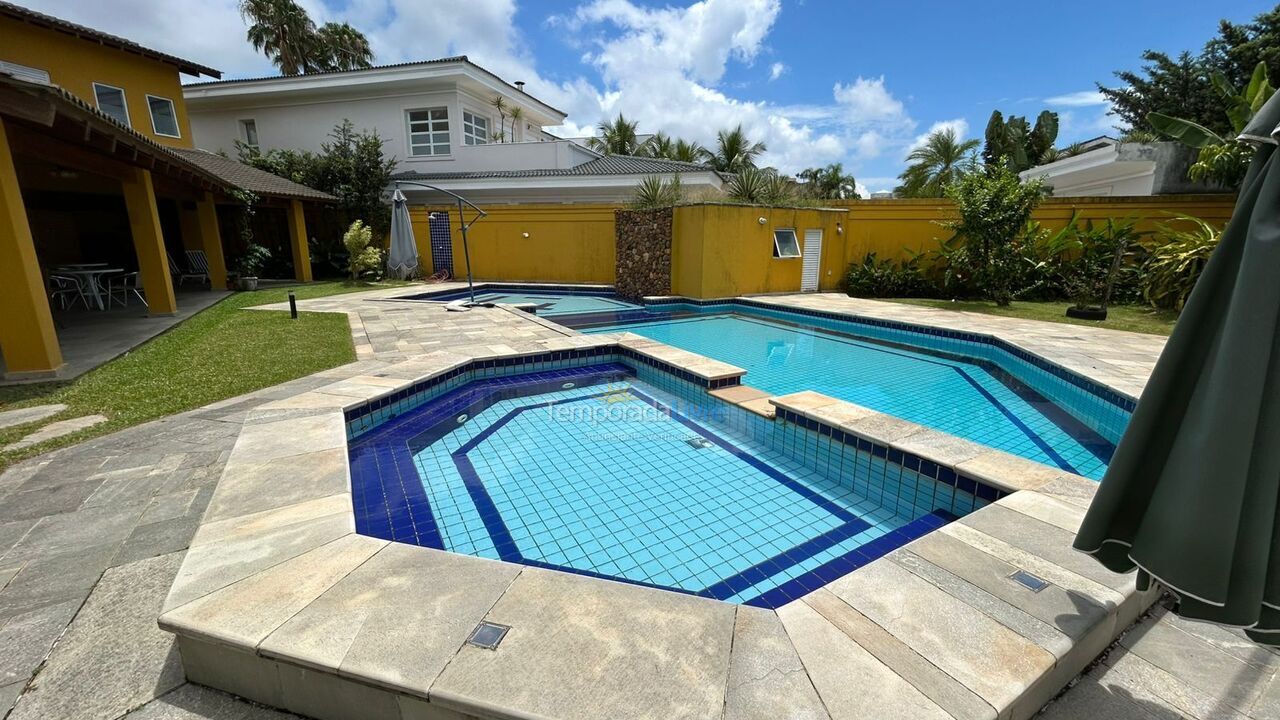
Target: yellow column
(211, 241)
(298, 242)
(27, 337)
(148, 242)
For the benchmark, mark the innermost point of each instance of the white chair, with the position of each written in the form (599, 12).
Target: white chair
(121, 287)
(66, 291)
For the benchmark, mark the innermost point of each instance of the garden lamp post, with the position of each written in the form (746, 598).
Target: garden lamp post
(462, 221)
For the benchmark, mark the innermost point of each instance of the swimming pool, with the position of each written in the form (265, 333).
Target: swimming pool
(626, 473)
(549, 302)
(977, 393)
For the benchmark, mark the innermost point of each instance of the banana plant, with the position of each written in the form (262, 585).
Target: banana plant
(1221, 160)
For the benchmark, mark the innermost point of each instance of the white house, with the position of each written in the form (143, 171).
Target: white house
(1108, 167)
(440, 123)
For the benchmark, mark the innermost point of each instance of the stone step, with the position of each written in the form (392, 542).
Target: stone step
(35, 413)
(56, 430)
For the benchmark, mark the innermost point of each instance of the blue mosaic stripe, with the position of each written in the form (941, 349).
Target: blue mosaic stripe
(446, 295)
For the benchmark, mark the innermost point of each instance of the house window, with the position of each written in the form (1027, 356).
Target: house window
(785, 244)
(475, 129)
(429, 132)
(22, 72)
(111, 102)
(164, 118)
(249, 133)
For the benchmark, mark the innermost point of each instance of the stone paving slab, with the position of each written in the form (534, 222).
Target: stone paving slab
(56, 430)
(36, 413)
(766, 678)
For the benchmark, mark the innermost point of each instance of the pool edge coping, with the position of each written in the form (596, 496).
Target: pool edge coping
(330, 402)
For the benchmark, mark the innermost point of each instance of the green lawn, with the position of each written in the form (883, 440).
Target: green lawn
(1134, 318)
(218, 353)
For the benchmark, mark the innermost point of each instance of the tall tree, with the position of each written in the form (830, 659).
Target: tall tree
(829, 183)
(689, 151)
(1178, 87)
(735, 151)
(1016, 144)
(616, 138)
(659, 146)
(1237, 49)
(941, 161)
(341, 47)
(282, 30)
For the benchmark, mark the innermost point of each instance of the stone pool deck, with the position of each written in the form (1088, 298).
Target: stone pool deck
(129, 503)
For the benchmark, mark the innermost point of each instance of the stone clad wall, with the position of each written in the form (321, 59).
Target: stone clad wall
(643, 265)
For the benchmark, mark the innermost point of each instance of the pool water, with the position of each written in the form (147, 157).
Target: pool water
(548, 302)
(973, 399)
(594, 471)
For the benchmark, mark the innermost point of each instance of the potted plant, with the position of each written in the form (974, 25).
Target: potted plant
(250, 264)
(1093, 275)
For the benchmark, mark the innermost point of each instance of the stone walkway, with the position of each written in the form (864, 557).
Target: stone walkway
(91, 537)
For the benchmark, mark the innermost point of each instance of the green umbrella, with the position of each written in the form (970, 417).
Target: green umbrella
(1190, 498)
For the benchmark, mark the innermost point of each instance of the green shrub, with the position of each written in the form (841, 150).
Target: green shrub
(1175, 259)
(875, 278)
(654, 192)
(362, 260)
(994, 207)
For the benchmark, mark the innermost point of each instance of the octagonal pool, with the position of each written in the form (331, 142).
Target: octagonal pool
(594, 470)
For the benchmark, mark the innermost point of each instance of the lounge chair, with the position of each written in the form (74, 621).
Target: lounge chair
(182, 275)
(198, 263)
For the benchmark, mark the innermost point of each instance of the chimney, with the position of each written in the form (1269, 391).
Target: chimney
(519, 85)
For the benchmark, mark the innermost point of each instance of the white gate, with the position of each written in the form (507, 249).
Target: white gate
(812, 261)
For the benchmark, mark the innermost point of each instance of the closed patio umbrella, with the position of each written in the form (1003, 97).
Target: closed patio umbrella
(1190, 498)
(402, 260)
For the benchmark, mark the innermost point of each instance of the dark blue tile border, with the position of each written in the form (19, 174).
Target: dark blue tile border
(446, 295)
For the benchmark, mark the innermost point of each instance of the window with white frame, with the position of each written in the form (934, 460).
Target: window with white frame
(111, 101)
(249, 133)
(785, 244)
(475, 128)
(428, 132)
(164, 117)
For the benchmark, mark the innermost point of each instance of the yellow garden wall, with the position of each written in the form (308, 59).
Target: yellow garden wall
(565, 243)
(724, 250)
(75, 64)
(896, 228)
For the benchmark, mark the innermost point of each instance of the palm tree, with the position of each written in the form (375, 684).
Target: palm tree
(616, 138)
(658, 146)
(338, 46)
(829, 183)
(516, 113)
(500, 105)
(735, 151)
(690, 152)
(942, 160)
(282, 30)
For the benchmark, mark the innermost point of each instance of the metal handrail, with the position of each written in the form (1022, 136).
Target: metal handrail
(466, 248)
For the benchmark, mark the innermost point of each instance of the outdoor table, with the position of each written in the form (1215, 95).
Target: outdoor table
(89, 278)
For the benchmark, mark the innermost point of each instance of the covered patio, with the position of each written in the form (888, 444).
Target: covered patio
(106, 238)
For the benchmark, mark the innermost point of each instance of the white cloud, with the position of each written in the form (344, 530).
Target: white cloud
(776, 71)
(868, 100)
(1082, 98)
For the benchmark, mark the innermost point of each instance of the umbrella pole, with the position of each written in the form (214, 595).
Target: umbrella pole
(466, 253)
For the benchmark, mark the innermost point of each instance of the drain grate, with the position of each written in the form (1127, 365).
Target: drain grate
(1029, 581)
(699, 443)
(487, 635)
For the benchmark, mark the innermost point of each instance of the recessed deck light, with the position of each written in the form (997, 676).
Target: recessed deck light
(462, 418)
(1029, 581)
(487, 635)
(566, 386)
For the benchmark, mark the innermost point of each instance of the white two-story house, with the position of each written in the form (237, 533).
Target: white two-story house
(440, 121)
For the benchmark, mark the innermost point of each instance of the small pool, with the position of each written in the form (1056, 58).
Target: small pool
(972, 391)
(548, 302)
(632, 475)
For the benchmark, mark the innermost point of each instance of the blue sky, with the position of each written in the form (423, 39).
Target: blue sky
(857, 83)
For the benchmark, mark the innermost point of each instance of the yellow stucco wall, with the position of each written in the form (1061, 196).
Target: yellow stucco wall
(897, 228)
(75, 64)
(566, 243)
(724, 250)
